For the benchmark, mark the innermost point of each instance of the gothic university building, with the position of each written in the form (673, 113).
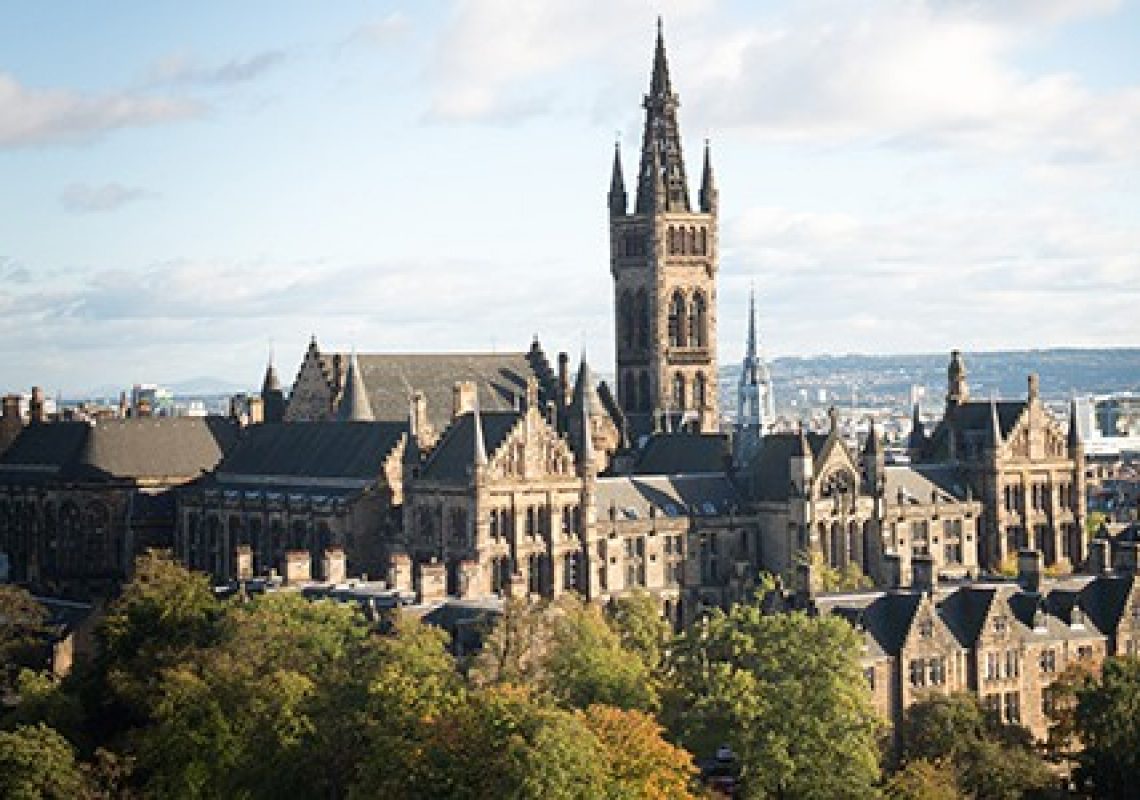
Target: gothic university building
(484, 475)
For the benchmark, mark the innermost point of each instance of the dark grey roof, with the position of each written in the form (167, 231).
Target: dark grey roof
(683, 453)
(453, 457)
(973, 422)
(770, 476)
(140, 448)
(312, 450)
(965, 610)
(667, 495)
(1102, 599)
(919, 481)
(49, 445)
(390, 378)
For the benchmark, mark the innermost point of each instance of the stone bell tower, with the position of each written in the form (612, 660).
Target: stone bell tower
(663, 257)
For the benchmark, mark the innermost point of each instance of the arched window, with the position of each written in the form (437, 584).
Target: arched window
(98, 543)
(700, 391)
(702, 242)
(698, 321)
(644, 400)
(531, 521)
(679, 391)
(691, 242)
(677, 320)
(641, 317)
(625, 319)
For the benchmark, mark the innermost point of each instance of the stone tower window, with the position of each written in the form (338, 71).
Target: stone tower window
(677, 320)
(679, 391)
(698, 321)
(700, 391)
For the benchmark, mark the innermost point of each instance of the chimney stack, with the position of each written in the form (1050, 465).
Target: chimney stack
(463, 398)
(922, 574)
(1030, 566)
(1098, 559)
(431, 582)
(298, 566)
(333, 565)
(36, 405)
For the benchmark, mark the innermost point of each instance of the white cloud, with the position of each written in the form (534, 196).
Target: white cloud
(30, 116)
(913, 282)
(493, 56)
(82, 198)
(182, 69)
(927, 74)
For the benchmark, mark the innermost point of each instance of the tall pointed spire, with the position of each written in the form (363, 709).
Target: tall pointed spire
(354, 405)
(617, 195)
(873, 446)
(480, 453)
(1074, 438)
(751, 354)
(271, 382)
(659, 84)
(709, 195)
(661, 157)
(917, 439)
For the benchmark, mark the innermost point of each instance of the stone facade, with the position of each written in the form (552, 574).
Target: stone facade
(1019, 460)
(664, 260)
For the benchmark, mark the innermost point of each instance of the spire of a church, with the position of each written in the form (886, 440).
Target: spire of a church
(661, 157)
(354, 405)
(709, 195)
(617, 195)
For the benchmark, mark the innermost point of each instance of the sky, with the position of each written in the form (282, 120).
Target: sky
(185, 188)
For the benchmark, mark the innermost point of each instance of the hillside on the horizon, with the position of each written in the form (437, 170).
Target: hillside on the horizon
(887, 379)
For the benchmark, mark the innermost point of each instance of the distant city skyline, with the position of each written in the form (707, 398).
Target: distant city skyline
(186, 186)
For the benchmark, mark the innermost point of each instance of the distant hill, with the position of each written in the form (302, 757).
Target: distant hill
(886, 380)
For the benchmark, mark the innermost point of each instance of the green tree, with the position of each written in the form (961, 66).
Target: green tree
(500, 742)
(637, 619)
(263, 711)
(22, 633)
(36, 763)
(988, 758)
(786, 693)
(164, 611)
(922, 780)
(638, 761)
(586, 663)
(1106, 720)
(832, 579)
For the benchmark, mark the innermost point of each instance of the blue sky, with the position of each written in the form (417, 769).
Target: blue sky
(185, 184)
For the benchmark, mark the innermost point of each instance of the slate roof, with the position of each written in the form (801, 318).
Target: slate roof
(141, 448)
(454, 456)
(964, 611)
(667, 495)
(683, 453)
(972, 421)
(918, 481)
(389, 378)
(770, 477)
(1102, 599)
(312, 450)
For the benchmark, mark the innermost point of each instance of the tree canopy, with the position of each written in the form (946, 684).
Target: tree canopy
(785, 692)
